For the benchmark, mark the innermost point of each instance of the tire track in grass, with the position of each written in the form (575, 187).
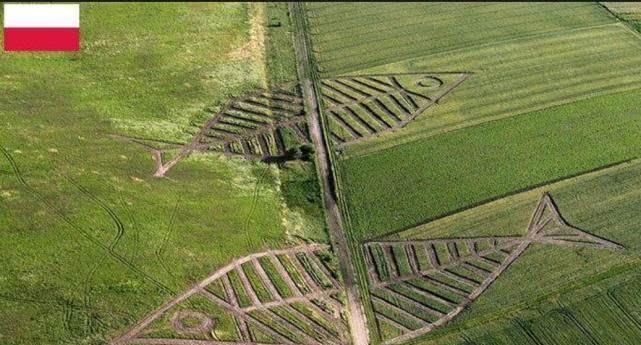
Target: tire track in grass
(527, 330)
(90, 318)
(569, 316)
(160, 251)
(467, 340)
(135, 235)
(66, 306)
(120, 227)
(83, 232)
(67, 315)
(254, 202)
(615, 300)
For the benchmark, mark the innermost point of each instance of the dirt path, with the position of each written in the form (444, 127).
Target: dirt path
(357, 323)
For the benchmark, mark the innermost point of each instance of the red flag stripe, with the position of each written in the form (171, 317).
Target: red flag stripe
(41, 39)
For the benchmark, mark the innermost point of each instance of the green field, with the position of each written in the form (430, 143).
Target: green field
(547, 278)
(346, 33)
(552, 103)
(90, 242)
(549, 101)
(411, 184)
(523, 72)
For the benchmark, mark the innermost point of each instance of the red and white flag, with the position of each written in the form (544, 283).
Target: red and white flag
(40, 27)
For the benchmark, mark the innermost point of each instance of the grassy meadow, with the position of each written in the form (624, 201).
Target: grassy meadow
(90, 242)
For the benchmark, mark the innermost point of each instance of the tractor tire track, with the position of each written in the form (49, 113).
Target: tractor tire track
(254, 202)
(135, 235)
(623, 308)
(89, 326)
(65, 304)
(84, 233)
(527, 330)
(120, 227)
(160, 251)
(569, 316)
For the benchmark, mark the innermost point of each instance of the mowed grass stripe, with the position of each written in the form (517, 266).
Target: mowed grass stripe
(383, 35)
(396, 36)
(379, 16)
(410, 184)
(343, 14)
(387, 22)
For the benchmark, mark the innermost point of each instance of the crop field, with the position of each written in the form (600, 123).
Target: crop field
(560, 282)
(444, 276)
(442, 208)
(346, 33)
(410, 184)
(90, 242)
(626, 10)
(521, 73)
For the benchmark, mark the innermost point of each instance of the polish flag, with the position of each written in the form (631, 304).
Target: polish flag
(40, 27)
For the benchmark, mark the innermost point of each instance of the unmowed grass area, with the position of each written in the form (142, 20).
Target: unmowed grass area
(90, 242)
(148, 75)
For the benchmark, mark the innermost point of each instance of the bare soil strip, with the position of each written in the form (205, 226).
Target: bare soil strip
(283, 273)
(172, 341)
(247, 286)
(290, 300)
(309, 281)
(393, 323)
(178, 322)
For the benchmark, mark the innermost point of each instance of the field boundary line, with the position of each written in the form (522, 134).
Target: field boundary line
(621, 20)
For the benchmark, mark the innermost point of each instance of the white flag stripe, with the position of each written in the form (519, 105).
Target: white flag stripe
(41, 16)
